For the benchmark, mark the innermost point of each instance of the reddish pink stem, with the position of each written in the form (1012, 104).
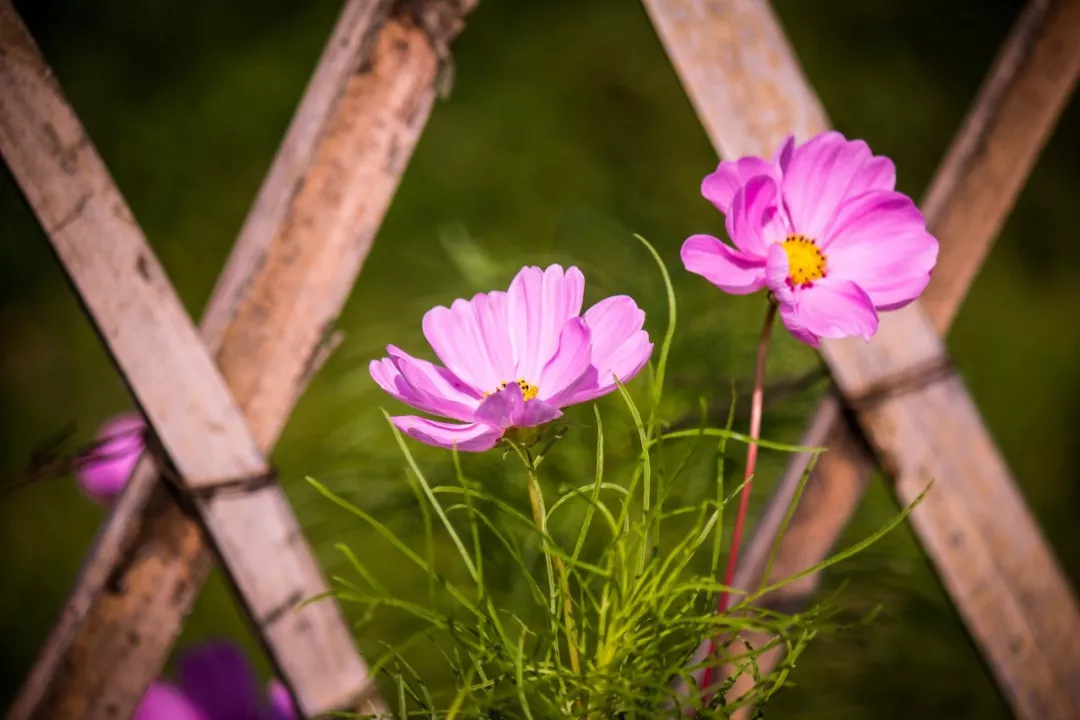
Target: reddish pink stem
(751, 463)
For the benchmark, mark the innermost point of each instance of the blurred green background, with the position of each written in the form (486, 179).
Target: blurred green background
(566, 132)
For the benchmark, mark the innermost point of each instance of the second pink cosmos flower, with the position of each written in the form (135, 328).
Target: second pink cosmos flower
(514, 359)
(822, 227)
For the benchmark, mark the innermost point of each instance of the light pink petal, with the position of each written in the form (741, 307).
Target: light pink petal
(825, 172)
(103, 474)
(432, 378)
(611, 323)
(535, 412)
(834, 308)
(794, 325)
(727, 269)
(281, 705)
(162, 701)
(508, 408)
(423, 385)
(491, 316)
(720, 186)
(619, 346)
(756, 220)
(444, 394)
(783, 155)
(625, 363)
(878, 174)
(472, 437)
(498, 408)
(879, 240)
(777, 270)
(570, 362)
(539, 304)
(584, 388)
(458, 339)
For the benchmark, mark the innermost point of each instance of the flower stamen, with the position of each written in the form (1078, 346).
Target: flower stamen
(528, 390)
(806, 262)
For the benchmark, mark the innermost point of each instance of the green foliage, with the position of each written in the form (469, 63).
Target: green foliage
(610, 627)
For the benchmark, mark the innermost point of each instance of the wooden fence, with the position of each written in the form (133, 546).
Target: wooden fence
(218, 396)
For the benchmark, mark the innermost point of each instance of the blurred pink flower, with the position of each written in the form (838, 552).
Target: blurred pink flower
(103, 474)
(514, 359)
(164, 701)
(216, 683)
(822, 227)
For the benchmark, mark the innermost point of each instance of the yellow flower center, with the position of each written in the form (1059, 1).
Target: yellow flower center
(806, 262)
(528, 391)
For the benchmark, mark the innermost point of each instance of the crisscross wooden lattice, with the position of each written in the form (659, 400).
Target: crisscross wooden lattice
(218, 397)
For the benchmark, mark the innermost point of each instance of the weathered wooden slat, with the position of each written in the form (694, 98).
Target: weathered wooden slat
(172, 376)
(974, 525)
(981, 177)
(739, 71)
(373, 91)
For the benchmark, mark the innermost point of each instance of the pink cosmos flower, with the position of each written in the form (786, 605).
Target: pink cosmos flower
(514, 359)
(823, 228)
(216, 683)
(105, 472)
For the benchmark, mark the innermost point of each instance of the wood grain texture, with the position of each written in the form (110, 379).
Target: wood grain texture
(974, 189)
(974, 525)
(354, 130)
(739, 71)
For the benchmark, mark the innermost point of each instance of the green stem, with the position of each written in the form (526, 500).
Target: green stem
(536, 499)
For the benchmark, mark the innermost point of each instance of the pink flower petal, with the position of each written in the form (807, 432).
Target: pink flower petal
(720, 186)
(423, 385)
(794, 325)
(879, 241)
(508, 408)
(756, 221)
(783, 155)
(456, 335)
(727, 269)
(162, 701)
(281, 705)
(498, 408)
(620, 347)
(878, 174)
(612, 321)
(826, 171)
(833, 308)
(777, 270)
(625, 363)
(539, 304)
(493, 321)
(472, 437)
(535, 412)
(217, 677)
(571, 361)
(105, 472)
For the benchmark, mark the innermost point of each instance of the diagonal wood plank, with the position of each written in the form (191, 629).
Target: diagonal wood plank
(354, 130)
(172, 376)
(986, 593)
